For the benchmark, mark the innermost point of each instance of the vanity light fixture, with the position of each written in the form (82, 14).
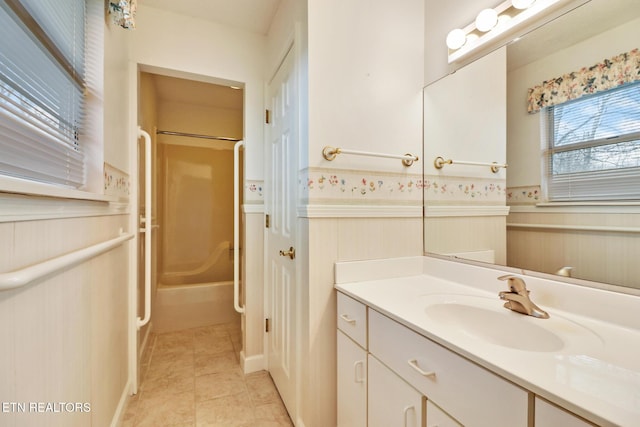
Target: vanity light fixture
(486, 20)
(496, 23)
(522, 4)
(456, 39)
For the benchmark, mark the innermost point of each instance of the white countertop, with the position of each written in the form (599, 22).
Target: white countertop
(594, 372)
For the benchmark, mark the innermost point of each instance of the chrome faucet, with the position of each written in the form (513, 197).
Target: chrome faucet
(517, 298)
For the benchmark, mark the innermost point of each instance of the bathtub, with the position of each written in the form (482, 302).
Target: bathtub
(178, 307)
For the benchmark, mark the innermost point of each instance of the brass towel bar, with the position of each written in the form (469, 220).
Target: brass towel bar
(330, 153)
(439, 163)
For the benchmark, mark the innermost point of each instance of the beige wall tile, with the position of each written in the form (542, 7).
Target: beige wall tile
(372, 238)
(6, 246)
(253, 278)
(65, 336)
(332, 240)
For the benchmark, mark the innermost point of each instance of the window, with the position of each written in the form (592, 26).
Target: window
(42, 90)
(593, 147)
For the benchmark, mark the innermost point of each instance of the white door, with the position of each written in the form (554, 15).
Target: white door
(281, 155)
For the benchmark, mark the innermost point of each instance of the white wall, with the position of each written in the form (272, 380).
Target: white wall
(365, 80)
(65, 337)
(188, 47)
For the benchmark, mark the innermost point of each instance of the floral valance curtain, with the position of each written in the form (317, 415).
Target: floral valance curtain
(611, 73)
(123, 13)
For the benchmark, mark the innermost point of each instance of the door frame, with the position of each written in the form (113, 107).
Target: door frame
(134, 70)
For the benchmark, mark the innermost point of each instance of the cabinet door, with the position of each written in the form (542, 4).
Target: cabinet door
(436, 417)
(392, 402)
(352, 383)
(548, 415)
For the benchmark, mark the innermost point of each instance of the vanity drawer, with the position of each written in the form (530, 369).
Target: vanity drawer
(352, 319)
(468, 392)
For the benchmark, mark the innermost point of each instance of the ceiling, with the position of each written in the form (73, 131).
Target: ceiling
(249, 15)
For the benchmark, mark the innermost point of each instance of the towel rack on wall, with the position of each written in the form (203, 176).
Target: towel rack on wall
(439, 163)
(18, 278)
(331, 153)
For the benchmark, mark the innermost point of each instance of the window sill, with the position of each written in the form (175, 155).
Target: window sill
(22, 200)
(21, 186)
(562, 204)
(578, 207)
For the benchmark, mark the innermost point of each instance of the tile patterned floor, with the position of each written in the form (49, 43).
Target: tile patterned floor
(193, 378)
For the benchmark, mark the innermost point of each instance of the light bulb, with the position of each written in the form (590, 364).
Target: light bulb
(456, 39)
(486, 20)
(522, 4)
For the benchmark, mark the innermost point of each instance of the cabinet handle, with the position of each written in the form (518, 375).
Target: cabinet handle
(358, 378)
(347, 319)
(414, 364)
(406, 413)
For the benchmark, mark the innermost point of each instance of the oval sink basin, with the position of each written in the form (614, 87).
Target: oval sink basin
(487, 320)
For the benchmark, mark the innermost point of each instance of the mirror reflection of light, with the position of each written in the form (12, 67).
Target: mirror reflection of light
(584, 374)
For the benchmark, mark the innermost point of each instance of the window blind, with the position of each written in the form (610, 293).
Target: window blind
(41, 94)
(594, 147)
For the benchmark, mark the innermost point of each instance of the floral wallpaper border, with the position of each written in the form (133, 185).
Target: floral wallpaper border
(452, 189)
(116, 182)
(328, 186)
(343, 186)
(526, 195)
(611, 73)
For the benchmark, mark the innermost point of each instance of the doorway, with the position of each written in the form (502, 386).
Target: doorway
(193, 125)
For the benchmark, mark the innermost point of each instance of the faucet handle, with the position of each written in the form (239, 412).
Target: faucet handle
(515, 283)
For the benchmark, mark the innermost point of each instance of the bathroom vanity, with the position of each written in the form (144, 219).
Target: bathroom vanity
(427, 341)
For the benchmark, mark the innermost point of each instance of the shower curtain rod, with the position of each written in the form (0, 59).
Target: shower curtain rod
(195, 135)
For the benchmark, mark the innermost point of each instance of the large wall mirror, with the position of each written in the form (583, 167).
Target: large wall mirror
(479, 114)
